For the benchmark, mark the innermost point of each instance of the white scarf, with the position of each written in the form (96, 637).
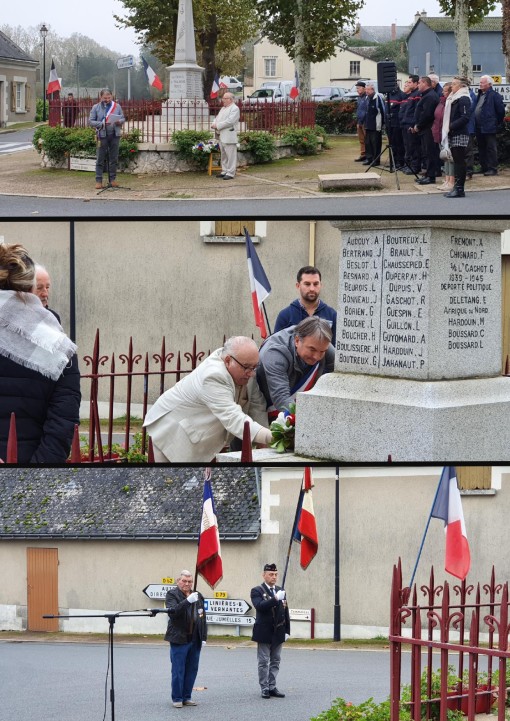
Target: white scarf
(31, 335)
(461, 93)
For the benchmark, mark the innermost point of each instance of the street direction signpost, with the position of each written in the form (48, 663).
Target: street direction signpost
(225, 619)
(237, 606)
(157, 590)
(126, 62)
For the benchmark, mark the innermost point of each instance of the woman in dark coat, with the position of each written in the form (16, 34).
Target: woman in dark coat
(39, 376)
(455, 132)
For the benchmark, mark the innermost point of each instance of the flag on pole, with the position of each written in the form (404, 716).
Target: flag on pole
(448, 507)
(305, 531)
(294, 91)
(53, 81)
(153, 79)
(209, 564)
(259, 284)
(215, 87)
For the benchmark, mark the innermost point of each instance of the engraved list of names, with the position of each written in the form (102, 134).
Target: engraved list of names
(383, 303)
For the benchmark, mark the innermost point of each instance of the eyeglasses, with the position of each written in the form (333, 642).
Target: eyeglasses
(246, 369)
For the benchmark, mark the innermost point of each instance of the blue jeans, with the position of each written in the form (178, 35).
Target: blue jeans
(184, 658)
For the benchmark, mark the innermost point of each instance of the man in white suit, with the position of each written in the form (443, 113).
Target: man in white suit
(226, 126)
(192, 421)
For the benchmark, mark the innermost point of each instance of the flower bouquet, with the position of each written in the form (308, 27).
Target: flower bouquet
(205, 147)
(284, 430)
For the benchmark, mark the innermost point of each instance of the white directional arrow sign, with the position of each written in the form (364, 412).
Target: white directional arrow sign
(237, 606)
(232, 620)
(157, 590)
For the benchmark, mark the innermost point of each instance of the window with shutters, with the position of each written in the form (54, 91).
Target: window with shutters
(232, 231)
(234, 227)
(270, 67)
(354, 68)
(18, 94)
(472, 478)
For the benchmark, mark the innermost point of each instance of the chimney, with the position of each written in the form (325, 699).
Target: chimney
(393, 31)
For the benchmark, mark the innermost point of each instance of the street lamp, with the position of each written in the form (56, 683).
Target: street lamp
(43, 31)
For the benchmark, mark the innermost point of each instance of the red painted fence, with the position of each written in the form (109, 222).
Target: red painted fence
(449, 620)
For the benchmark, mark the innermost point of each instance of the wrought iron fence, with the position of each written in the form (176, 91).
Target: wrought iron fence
(466, 612)
(156, 121)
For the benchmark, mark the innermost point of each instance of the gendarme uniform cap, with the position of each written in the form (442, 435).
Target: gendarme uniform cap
(270, 567)
(361, 84)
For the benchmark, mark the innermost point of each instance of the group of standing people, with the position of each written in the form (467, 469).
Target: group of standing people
(187, 633)
(432, 129)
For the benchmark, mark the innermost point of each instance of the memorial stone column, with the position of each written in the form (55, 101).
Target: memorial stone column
(418, 349)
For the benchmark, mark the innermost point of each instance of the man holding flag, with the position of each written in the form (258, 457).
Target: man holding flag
(271, 629)
(186, 632)
(292, 360)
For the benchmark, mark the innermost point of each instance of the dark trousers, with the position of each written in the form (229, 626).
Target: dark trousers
(110, 146)
(373, 143)
(412, 147)
(429, 153)
(459, 166)
(397, 145)
(487, 151)
(184, 658)
(470, 154)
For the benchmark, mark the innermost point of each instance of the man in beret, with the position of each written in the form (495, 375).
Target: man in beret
(271, 629)
(361, 113)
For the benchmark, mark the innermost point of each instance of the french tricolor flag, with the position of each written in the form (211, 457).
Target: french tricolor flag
(215, 87)
(259, 284)
(447, 506)
(152, 78)
(53, 81)
(209, 564)
(305, 531)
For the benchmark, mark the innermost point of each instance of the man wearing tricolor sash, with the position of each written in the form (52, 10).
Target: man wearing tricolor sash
(107, 118)
(292, 360)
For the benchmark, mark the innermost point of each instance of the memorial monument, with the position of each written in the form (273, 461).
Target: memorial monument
(186, 77)
(418, 353)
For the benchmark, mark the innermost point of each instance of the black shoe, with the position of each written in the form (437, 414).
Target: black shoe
(360, 159)
(228, 177)
(426, 181)
(366, 162)
(490, 172)
(277, 694)
(455, 193)
(409, 172)
(220, 175)
(265, 694)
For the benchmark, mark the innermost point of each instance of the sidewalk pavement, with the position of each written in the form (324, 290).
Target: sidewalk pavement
(21, 174)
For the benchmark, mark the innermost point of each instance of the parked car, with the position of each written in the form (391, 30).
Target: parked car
(231, 83)
(328, 92)
(352, 93)
(262, 95)
(281, 88)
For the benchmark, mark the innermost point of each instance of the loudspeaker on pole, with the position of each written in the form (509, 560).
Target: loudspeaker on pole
(386, 76)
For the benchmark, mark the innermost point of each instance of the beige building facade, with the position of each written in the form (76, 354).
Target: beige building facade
(382, 514)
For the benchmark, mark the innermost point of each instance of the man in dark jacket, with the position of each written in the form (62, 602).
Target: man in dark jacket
(271, 629)
(361, 111)
(393, 129)
(186, 632)
(406, 117)
(489, 114)
(309, 285)
(374, 122)
(423, 120)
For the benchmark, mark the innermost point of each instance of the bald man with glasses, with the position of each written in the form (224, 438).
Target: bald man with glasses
(194, 420)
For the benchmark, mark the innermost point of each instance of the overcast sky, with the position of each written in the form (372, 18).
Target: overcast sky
(94, 18)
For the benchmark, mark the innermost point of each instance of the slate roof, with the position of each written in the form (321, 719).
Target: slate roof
(125, 503)
(381, 33)
(10, 51)
(445, 24)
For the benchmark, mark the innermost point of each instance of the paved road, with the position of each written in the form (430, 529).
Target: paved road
(66, 682)
(482, 204)
(16, 141)
(11, 147)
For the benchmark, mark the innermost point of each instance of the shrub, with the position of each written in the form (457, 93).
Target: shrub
(59, 143)
(261, 145)
(39, 109)
(342, 710)
(324, 135)
(304, 140)
(185, 140)
(337, 117)
(503, 141)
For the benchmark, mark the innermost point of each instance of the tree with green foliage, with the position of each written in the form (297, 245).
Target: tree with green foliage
(309, 30)
(465, 13)
(505, 31)
(221, 26)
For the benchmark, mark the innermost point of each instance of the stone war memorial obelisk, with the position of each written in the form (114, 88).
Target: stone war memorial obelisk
(186, 77)
(418, 370)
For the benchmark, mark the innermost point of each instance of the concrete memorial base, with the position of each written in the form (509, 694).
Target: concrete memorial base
(361, 418)
(339, 181)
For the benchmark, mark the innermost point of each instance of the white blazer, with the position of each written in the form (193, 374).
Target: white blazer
(227, 123)
(192, 421)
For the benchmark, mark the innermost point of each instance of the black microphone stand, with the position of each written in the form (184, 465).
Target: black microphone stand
(112, 617)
